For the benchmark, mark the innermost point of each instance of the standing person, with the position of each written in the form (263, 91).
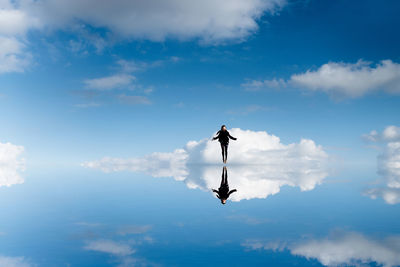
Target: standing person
(223, 137)
(223, 192)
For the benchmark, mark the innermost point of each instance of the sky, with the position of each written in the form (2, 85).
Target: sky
(310, 88)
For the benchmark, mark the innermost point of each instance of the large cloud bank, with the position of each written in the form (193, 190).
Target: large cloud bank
(211, 21)
(388, 164)
(11, 164)
(348, 249)
(259, 164)
(341, 79)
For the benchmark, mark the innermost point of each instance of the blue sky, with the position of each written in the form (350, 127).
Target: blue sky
(100, 99)
(183, 88)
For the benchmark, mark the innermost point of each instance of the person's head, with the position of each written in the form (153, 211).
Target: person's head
(223, 201)
(223, 128)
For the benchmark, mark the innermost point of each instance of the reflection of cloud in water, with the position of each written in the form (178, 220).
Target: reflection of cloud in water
(11, 164)
(259, 164)
(14, 262)
(388, 165)
(346, 249)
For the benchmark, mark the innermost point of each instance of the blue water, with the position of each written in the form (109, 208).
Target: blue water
(84, 217)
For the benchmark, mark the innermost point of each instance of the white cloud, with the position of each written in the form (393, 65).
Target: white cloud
(14, 23)
(351, 80)
(13, 56)
(255, 85)
(14, 262)
(388, 164)
(351, 249)
(346, 249)
(11, 164)
(210, 20)
(110, 247)
(110, 82)
(259, 164)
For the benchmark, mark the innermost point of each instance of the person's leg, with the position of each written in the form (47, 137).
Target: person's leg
(223, 152)
(222, 177)
(225, 176)
(226, 153)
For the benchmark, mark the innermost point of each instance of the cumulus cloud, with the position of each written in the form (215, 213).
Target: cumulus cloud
(13, 55)
(351, 249)
(351, 80)
(260, 164)
(210, 20)
(346, 249)
(110, 247)
(14, 262)
(388, 164)
(340, 79)
(11, 164)
(14, 23)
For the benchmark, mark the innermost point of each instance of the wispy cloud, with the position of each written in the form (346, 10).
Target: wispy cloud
(256, 85)
(133, 229)
(110, 82)
(14, 262)
(109, 246)
(133, 99)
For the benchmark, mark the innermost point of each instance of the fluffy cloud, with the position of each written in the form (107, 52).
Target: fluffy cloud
(351, 249)
(109, 246)
(351, 80)
(11, 164)
(14, 262)
(388, 165)
(13, 56)
(340, 79)
(347, 249)
(14, 23)
(390, 134)
(209, 20)
(260, 164)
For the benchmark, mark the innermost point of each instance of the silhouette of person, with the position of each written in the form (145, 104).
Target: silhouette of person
(223, 137)
(223, 192)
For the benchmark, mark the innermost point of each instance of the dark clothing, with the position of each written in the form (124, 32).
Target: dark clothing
(223, 137)
(223, 192)
(224, 148)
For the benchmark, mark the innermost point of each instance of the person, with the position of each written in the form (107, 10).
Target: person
(223, 137)
(223, 192)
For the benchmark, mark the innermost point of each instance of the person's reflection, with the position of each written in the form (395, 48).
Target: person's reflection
(223, 192)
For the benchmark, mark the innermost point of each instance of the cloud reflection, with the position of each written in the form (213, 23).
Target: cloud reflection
(388, 165)
(346, 249)
(259, 164)
(11, 164)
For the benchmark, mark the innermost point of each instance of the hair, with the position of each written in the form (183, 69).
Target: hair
(223, 127)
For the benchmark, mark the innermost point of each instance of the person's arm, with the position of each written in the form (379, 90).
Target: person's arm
(215, 191)
(232, 191)
(231, 137)
(215, 138)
